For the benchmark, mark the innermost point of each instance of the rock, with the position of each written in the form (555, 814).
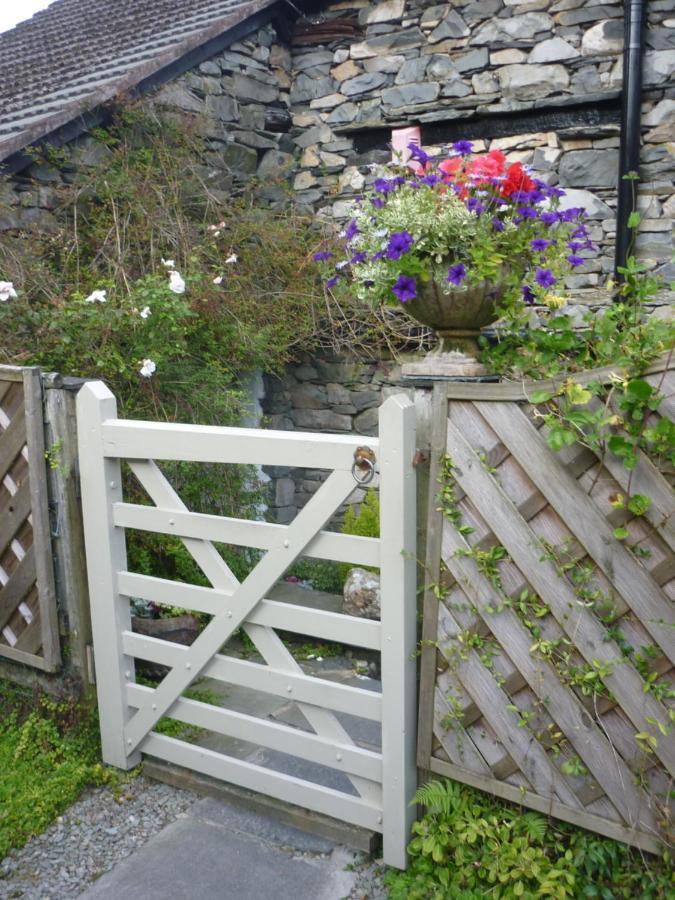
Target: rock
(452, 26)
(239, 159)
(661, 38)
(386, 64)
(351, 179)
(552, 50)
(507, 57)
(413, 70)
(343, 115)
(384, 44)
(340, 55)
(303, 181)
(594, 206)
(411, 94)
(337, 394)
(332, 160)
(306, 88)
(177, 95)
(604, 38)
(475, 59)
(367, 421)
(485, 83)
(303, 61)
(210, 67)
(90, 152)
(521, 28)
(529, 82)
(222, 108)
(433, 16)
(328, 102)
(440, 67)
(321, 420)
(589, 168)
(388, 11)
(319, 134)
(275, 164)
(363, 84)
(664, 111)
(250, 89)
(310, 158)
(362, 594)
(345, 70)
(658, 66)
(587, 13)
(254, 139)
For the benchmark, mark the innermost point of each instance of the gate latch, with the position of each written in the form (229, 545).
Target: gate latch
(363, 468)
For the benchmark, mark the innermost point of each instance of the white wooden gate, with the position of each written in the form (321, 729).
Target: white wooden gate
(384, 782)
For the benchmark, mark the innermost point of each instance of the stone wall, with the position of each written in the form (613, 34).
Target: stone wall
(465, 69)
(322, 394)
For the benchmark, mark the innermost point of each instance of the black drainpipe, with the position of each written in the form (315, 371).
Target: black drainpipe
(629, 152)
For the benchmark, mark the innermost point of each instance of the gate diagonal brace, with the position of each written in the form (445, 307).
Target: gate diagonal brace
(335, 490)
(270, 646)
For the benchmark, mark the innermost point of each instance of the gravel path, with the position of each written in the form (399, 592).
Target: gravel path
(98, 831)
(104, 827)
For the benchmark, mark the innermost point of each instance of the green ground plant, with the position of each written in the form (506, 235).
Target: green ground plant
(469, 846)
(49, 752)
(365, 523)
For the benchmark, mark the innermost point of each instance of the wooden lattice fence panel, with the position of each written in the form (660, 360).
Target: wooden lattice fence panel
(28, 618)
(513, 646)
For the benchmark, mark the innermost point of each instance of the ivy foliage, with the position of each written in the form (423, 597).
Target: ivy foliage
(469, 846)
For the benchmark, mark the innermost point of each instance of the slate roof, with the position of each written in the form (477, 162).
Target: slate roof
(76, 54)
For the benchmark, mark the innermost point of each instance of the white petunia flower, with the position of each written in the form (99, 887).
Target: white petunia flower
(176, 283)
(216, 234)
(145, 312)
(148, 368)
(218, 279)
(96, 297)
(169, 263)
(7, 291)
(232, 258)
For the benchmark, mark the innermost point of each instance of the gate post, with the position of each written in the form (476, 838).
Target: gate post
(399, 623)
(106, 556)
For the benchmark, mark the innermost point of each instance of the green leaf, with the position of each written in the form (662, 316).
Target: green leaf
(621, 533)
(639, 504)
(638, 389)
(633, 220)
(577, 395)
(541, 396)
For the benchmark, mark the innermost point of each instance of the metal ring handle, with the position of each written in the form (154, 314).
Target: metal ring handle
(363, 462)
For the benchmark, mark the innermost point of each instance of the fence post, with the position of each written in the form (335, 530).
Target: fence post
(399, 623)
(106, 556)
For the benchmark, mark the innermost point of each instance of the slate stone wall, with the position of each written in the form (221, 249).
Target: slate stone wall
(474, 64)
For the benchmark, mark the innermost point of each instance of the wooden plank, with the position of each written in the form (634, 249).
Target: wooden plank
(101, 481)
(13, 514)
(398, 588)
(588, 739)
(257, 677)
(317, 623)
(12, 440)
(587, 633)
(12, 373)
(580, 514)
(360, 551)
(426, 711)
(547, 807)
(44, 567)
(521, 391)
(20, 582)
(283, 738)
(267, 642)
(248, 446)
(456, 741)
(274, 784)
(14, 654)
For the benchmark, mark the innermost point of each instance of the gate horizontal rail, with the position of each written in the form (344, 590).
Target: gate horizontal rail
(383, 782)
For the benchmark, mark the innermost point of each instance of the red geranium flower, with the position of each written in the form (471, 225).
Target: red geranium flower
(516, 180)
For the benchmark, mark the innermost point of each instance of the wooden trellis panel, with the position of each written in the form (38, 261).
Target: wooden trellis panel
(498, 712)
(28, 618)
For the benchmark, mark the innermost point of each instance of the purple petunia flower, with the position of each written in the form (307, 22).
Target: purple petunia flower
(419, 155)
(322, 256)
(431, 179)
(539, 244)
(474, 205)
(528, 294)
(332, 281)
(549, 218)
(464, 148)
(383, 185)
(377, 202)
(571, 214)
(545, 278)
(351, 231)
(526, 212)
(497, 224)
(359, 257)
(405, 288)
(457, 274)
(399, 243)
(575, 260)
(581, 231)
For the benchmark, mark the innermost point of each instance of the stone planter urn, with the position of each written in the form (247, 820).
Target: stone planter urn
(457, 314)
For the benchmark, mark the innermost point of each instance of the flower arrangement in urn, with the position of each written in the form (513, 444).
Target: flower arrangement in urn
(454, 239)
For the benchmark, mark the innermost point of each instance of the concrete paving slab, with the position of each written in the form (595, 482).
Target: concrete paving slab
(194, 858)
